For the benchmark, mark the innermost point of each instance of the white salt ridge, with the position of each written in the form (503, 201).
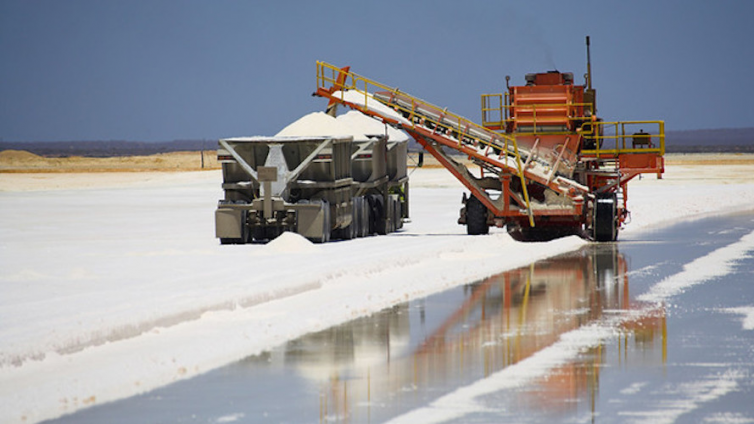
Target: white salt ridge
(716, 264)
(748, 315)
(686, 397)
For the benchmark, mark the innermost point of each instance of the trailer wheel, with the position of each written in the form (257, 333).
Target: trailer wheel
(356, 223)
(368, 217)
(398, 215)
(327, 226)
(378, 222)
(605, 223)
(476, 217)
(362, 217)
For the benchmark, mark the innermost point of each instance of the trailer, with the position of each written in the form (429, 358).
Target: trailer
(322, 187)
(543, 164)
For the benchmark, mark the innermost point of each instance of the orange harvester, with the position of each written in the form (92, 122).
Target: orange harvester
(546, 165)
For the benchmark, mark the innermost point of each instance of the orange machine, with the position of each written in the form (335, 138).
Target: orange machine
(542, 163)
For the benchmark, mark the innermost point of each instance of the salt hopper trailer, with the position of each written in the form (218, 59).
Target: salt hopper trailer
(542, 164)
(321, 186)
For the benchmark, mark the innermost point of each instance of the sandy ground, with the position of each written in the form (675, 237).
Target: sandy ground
(23, 171)
(14, 161)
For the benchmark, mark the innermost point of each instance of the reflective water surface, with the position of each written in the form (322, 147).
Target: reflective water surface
(378, 367)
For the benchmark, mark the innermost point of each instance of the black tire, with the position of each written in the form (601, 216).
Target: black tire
(369, 221)
(378, 222)
(356, 223)
(363, 214)
(327, 225)
(605, 222)
(476, 217)
(398, 215)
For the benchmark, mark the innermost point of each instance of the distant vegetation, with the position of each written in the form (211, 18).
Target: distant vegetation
(732, 140)
(107, 148)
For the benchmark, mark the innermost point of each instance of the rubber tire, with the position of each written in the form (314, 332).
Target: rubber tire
(369, 222)
(356, 223)
(476, 217)
(378, 222)
(604, 225)
(363, 217)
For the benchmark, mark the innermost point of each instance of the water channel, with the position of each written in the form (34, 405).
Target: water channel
(378, 367)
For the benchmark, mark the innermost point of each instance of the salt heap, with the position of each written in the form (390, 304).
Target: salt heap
(289, 242)
(371, 126)
(353, 123)
(320, 124)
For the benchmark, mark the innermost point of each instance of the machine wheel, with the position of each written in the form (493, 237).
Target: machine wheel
(605, 223)
(476, 217)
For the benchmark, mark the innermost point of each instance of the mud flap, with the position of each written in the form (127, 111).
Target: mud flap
(230, 225)
(313, 222)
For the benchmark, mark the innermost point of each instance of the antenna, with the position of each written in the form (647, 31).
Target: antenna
(588, 65)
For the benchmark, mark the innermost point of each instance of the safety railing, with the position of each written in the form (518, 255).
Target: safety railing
(612, 139)
(412, 109)
(496, 115)
(494, 112)
(412, 112)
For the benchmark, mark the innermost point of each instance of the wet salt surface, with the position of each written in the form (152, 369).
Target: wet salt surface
(689, 358)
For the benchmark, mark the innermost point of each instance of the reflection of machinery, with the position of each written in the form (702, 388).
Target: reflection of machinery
(500, 321)
(548, 166)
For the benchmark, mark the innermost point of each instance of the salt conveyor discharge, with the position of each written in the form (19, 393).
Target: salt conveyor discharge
(542, 163)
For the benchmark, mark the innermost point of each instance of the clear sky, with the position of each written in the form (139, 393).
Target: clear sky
(174, 69)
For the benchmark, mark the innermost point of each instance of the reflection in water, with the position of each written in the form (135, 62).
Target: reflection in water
(377, 367)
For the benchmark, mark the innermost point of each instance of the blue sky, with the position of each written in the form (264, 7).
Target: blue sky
(174, 69)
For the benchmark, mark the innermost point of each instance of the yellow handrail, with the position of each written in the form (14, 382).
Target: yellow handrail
(460, 127)
(624, 137)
